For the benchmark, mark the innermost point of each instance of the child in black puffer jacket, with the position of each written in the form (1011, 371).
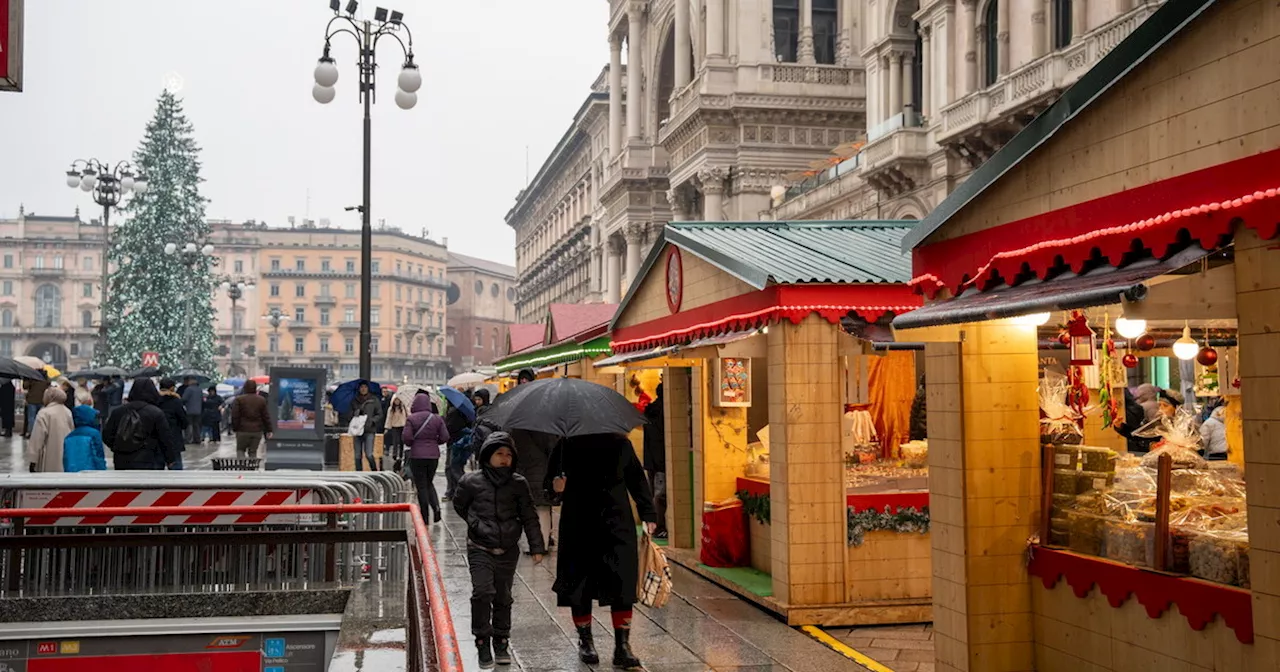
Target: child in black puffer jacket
(498, 506)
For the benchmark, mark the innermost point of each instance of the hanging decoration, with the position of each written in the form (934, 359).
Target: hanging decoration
(905, 520)
(1130, 360)
(1077, 393)
(758, 506)
(1106, 375)
(1146, 342)
(1084, 343)
(1207, 356)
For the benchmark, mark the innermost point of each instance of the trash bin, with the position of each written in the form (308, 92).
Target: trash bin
(332, 436)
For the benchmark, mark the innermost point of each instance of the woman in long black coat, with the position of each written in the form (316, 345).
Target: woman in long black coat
(591, 477)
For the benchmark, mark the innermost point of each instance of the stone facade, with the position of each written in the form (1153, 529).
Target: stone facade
(481, 303)
(948, 83)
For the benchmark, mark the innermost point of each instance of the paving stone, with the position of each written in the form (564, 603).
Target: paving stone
(906, 644)
(917, 656)
(880, 655)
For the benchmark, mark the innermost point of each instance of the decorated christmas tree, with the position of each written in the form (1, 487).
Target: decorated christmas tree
(162, 302)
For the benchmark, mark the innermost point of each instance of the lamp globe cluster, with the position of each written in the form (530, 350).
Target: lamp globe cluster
(407, 84)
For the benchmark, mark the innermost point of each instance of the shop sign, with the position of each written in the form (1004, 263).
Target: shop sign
(733, 382)
(675, 279)
(11, 45)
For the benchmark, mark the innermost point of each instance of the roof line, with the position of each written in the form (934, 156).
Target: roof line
(1145, 40)
(802, 223)
(719, 259)
(521, 200)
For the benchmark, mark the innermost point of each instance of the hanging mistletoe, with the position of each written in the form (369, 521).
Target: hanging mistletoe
(1106, 368)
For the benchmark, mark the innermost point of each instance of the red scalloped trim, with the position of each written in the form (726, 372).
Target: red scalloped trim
(1198, 601)
(919, 500)
(1200, 206)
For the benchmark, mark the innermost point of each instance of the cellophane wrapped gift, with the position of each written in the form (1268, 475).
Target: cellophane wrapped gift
(1179, 438)
(1059, 424)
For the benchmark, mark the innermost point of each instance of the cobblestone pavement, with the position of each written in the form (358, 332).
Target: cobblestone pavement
(901, 648)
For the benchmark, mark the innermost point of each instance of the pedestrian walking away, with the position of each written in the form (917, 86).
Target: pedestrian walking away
(34, 399)
(138, 433)
(250, 420)
(193, 401)
(175, 413)
(498, 506)
(370, 407)
(424, 433)
(459, 448)
(598, 560)
(211, 416)
(52, 425)
(8, 397)
(82, 449)
(655, 459)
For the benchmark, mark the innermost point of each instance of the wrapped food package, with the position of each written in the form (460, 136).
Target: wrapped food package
(915, 454)
(1130, 543)
(1058, 422)
(1098, 459)
(1064, 482)
(1126, 504)
(1091, 481)
(1066, 457)
(1215, 556)
(1180, 548)
(1242, 569)
(1059, 533)
(1085, 530)
(1182, 458)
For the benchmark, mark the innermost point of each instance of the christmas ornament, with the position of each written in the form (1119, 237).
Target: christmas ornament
(1064, 338)
(1083, 342)
(1207, 356)
(1130, 361)
(1077, 393)
(1146, 343)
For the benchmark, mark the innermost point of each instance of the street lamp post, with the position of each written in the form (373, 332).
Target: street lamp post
(108, 185)
(367, 33)
(235, 291)
(191, 256)
(275, 318)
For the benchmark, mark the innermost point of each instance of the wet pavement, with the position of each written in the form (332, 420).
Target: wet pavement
(901, 648)
(702, 628)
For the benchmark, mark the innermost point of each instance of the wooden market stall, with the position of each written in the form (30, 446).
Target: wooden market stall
(571, 338)
(785, 479)
(1148, 192)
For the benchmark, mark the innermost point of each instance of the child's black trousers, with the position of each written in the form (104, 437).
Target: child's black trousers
(491, 579)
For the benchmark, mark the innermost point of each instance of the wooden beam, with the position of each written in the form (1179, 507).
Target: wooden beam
(1210, 295)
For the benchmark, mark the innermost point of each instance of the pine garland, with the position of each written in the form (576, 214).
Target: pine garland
(153, 295)
(905, 520)
(756, 506)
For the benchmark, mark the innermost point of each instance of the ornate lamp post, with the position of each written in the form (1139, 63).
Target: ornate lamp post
(275, 318)
(235, 290)
(191, 256)
(367, 33)
(108, 185)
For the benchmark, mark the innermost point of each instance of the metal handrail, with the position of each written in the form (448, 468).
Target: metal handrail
(448, 657)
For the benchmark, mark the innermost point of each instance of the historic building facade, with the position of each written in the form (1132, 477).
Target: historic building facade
(481, 303)
(948, 83)
(50, 288)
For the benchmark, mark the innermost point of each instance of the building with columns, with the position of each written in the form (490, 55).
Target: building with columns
(949, 82)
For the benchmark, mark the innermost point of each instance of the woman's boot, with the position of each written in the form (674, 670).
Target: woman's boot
(587, 646)
(622, 655)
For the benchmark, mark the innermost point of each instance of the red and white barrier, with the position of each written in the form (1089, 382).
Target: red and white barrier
(193, 499)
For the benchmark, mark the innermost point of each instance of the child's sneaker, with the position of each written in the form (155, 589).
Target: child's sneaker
(501, 650)
(484, 653)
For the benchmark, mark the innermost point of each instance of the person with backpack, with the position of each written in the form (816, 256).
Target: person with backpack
(138, 433)
(459, 449)
(250, 420)
(175, 412)
(424, 433)
(82, 449)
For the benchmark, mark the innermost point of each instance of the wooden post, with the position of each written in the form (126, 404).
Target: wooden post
(1046, 492)
(1164, 476)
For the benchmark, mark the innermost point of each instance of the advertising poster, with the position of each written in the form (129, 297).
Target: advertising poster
(733, 382)
(298, 403)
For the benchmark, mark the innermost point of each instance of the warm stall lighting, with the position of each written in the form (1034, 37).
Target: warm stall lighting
(1186, 347)
(1130, 329)
(1033, 320)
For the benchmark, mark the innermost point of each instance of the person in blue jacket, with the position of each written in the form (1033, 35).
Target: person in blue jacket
(82, 449)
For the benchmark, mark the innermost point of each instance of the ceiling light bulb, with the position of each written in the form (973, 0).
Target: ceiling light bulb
(1130, 329)
(1033, 319)
(1186, 347)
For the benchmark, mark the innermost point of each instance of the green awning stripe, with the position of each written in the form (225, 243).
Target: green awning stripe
(557, 354)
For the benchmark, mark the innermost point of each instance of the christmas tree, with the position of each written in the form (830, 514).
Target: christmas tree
(162, 302)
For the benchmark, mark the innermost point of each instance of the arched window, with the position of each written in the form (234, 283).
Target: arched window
(6, 318)
(786, 30)
(86, 319)
(48, 306)
(991, 44)
(1061, 23)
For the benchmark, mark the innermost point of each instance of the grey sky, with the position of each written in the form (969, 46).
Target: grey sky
(498, 75)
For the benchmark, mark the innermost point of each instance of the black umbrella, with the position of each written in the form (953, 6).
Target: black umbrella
(83, 374)
(564, 407)
(11, 368)
(184, 374)
(108, 371)
(144, 372)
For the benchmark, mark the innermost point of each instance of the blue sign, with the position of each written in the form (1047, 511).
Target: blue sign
(274, 669)
(274, 648)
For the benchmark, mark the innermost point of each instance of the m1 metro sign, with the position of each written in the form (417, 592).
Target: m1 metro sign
(11, 45)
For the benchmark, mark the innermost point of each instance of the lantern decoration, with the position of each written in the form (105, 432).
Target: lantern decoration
(1207, 356)
(1084, 343)
(1146, 343)
(1130, 361)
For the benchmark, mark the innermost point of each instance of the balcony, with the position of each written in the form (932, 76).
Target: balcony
(299, 325)
(896, 160)
(47, 272)
(348, 325)
(978, 124)
(328, 300)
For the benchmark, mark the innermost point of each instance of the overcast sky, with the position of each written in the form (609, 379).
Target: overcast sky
(499, 75)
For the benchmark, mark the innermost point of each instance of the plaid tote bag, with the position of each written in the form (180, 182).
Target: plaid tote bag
(654, 588)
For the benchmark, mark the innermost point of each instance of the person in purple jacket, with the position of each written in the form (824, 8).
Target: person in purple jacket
(424, 433)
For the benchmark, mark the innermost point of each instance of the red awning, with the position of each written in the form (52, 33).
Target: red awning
(766, 306)
(1161, 217)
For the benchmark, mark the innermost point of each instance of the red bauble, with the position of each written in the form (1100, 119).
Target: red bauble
(1064, 338)
(1207, 356)
(1146, 342)
(1130, 361)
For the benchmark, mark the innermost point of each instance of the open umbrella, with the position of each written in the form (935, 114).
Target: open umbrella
(467, 379)
(184, 374)
(108, 371)
(144, 372)
(459, 401)
(565, 407)
(12, 368)
(83, 374)
(39, 365)
(345, 393)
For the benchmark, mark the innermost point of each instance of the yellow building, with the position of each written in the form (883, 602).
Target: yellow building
(311, 278)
